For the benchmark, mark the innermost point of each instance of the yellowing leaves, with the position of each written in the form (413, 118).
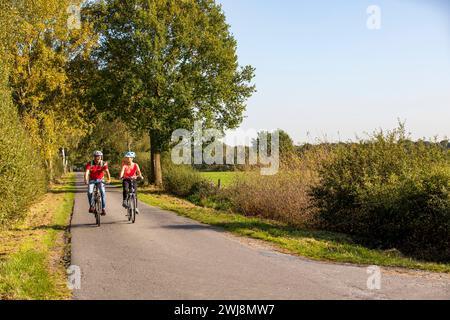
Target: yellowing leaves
(39, 50)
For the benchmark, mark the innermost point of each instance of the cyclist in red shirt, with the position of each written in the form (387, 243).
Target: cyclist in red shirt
(130, 172)
(95, 173)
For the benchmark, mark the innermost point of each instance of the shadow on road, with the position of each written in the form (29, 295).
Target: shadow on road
(48, 227)
(78, 187)
(93, 225)
(67, 190)
(192, 227)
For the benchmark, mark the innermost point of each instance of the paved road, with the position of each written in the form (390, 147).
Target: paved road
(164, 256)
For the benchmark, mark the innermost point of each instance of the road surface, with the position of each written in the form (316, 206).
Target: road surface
(164, 256)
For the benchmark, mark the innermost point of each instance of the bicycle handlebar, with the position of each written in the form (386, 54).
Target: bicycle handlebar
(102, 181)
(132, 178)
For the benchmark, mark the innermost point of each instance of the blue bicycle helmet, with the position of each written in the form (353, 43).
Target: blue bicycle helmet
(130, 154)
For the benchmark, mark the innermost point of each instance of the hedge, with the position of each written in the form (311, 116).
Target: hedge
(22, 175)
(389, 192)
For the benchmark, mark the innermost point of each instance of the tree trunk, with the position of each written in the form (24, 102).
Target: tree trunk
(50, 169)
(155, 155)
(64, 161)
(157, 172)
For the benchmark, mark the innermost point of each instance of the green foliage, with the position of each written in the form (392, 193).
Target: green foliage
(113, 138)
(25, 276)
(177, 63)
(30, 273)
(226, 177)
(42, 89)
(180, 180)
(184, 181)
(143, 159)
(22, 177)
(163, 64)
(207, 194)
(286, 144)
(389, 191)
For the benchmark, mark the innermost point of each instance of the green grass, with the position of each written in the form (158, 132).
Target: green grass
(317, 245)
(63, 212)
(226, 178)
(116, 182)
(25, 275)
(28, 273)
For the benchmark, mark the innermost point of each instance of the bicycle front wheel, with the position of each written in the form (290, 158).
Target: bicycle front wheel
(133, 209)
(97, 218)
(98, 210)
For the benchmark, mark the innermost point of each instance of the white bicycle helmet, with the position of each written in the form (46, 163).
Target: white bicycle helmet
(98, 154)
(130, 154)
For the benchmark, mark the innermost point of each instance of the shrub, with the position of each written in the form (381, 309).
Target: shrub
(22, 177)
(181, 180)
(114, 169)
(284, 196)
(143, 158)
(186, 182)
(390, 192)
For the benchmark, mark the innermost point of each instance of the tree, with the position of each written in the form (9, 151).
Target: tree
(39, 49)
(113, 138)
(163, 64)
(19, 159)
(286, 144)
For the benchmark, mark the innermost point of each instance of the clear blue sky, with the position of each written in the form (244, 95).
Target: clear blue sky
(319, 69)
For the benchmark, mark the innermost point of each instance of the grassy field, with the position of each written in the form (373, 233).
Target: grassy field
(33, 254)
(226, 178)
(317, 245)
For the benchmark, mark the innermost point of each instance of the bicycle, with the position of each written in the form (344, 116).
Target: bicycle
(131, 201)
(97, 204)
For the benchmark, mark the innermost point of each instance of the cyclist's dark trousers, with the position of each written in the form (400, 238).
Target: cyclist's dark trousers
(127, 184)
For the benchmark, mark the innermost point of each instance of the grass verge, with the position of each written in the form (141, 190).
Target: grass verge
(316, 245)
(32, 254)
(226, 178)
